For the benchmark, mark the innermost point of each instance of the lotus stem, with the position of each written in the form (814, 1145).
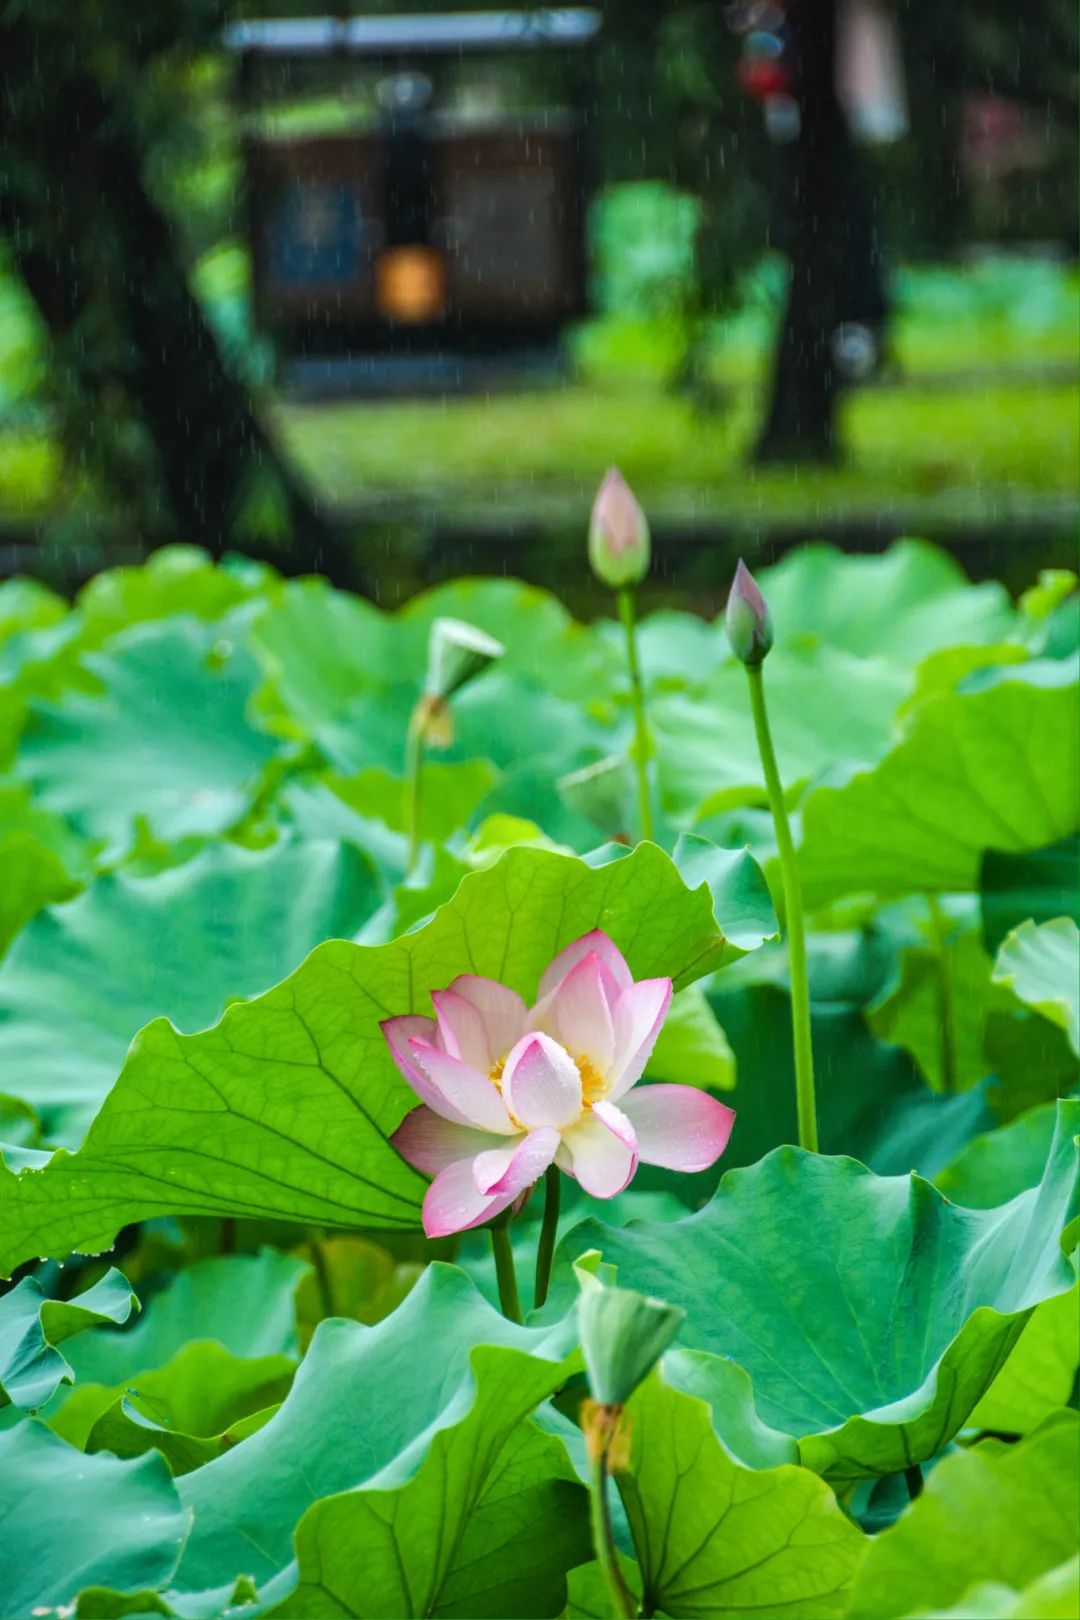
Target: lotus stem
(545, 1248)
(805, 1100)
(509, 1299)
(622, 1602)
(947, 1023)
(627, 613)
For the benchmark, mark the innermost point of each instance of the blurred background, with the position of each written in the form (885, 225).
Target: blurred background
(383, 293)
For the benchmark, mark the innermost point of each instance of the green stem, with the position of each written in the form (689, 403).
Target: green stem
(947, 1023)
(914, 1481)
(625, 599)
(414, 769)
(622, 1602)
(545, 1248)
(509, 1301)
(805, 1101)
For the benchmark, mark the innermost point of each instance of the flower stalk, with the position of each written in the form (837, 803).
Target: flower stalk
(606, 1440)
(545, 1248)
(506, 1275)
(750, 632)
(946, 1021)
(642, 744)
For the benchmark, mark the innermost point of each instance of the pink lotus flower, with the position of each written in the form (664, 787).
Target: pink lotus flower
(507, 1091)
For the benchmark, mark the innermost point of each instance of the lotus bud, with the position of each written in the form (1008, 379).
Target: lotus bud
(603, 794)
(619, 544)
(457, 653)
(748, 621)
(623, 1335)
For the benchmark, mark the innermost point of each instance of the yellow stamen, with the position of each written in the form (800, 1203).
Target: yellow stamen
(594, 1085)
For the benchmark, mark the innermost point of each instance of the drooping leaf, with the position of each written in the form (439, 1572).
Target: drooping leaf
(991, 766)
(182, 943)
(194, 1408)
(717, 1539)
(41, 858)
(170, 718)
(996, 1165)
(1041, 965)
(623, 1335)
(365, 1401)
(870, 1314)
(32, 1325)
(995, 1512)
(1040, 884)
(286, 1106)
(1040, 1374)
(72, 1521)
(245, 1302)
(489, 1524)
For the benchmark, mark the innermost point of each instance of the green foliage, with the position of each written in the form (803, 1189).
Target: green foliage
(207, 913)
(997, 1513)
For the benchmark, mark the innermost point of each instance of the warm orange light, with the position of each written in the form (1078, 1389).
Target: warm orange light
(410, 284)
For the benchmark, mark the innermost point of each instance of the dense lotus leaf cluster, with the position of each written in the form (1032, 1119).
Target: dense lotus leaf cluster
(236, 1379)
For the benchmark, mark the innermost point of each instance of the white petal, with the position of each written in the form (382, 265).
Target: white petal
(511, 1170)
(503, 1011)
(458, 1091)
(429, 1142)
(541, 1083)
(602, 1159)
(639, 1013)
(678, 1127)
(596, 942)
(461, 1030)
(577, 1014)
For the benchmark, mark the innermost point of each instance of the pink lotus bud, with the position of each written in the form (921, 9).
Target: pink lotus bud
(748, 622)
(619, 545)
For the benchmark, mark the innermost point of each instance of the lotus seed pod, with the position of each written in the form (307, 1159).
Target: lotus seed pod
(457, 653)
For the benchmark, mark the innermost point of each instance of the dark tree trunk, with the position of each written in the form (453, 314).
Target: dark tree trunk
(800, 424)
(135, 351)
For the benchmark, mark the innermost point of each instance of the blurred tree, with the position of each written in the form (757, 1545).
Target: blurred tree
(159, 430)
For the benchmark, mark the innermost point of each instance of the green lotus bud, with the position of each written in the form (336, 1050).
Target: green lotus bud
(748, 622)
(604, 794)
(623, 1335)
(619, 544)
(457, 653)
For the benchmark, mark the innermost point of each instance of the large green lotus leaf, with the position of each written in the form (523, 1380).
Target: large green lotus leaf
(72, 1521)
(25, 604)
(1040, 963)
(196, 1407)
(1042, 884)
(991, 766)
(996, 1165)
(32, 1325)
(365, 1401)
(901, 605)
(870, 1313)
(714, 1538)
(996, 1512)
(166, 738)
(488, 1525)
(501, 717)
(1030, 1058)
(245, 1302)
(450, 792)
(911, 1014)
(1040, 1374)
(285, 1107)
(319, 647)
(825, 706)
(181, 944)
(175, 579)
(1049, 1597)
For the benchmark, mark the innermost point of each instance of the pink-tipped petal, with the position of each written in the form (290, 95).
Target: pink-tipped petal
(399, 1032)
(429, 1143)
(639, 1013)
(577, 1014)
(594, 943)
(678, 1127)
(602, 1151)
(541, 1083)
(510, 1170)
(459, 1092)
(461, 1030)
(503, 1011)
(453, 1203)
